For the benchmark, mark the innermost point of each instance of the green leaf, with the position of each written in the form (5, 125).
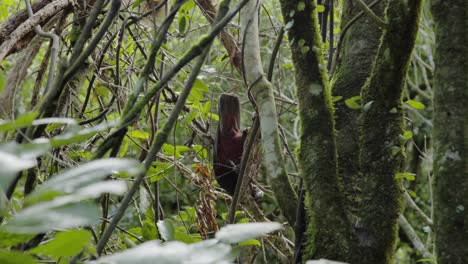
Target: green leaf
(300, 6)
(250, 242)
(166, 229)
(149, 231)
(15, 257)
(407, 134)
(405, 175)
(67, 243)
(367, 106)
(77, 134)
(159, 169)
(289, 25)
(55, 120)
(139, 134)
(427, 260)
(175, 151)
(84, 175)
(320, 8)
(241, 232)
(16, 157)
(395, 150)
(20, 122)
(200, 86)
(206, 108)
(189, 5)
(137, 3)
(213, 116)
(288, 65)
(411, 193)
(354, 102)
(201, 152)
(337, 98)
(182, 24)
(9, 239)
(416, 104)
(47, 216)
(175, 252)
(184, 237)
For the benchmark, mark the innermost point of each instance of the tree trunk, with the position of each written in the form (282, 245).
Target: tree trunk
(381, 124)
(328, 232)
(450, 127)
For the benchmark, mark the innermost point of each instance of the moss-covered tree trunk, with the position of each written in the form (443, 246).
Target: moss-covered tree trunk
(450, 128)
(371, 164)
(328, 233)
(381, 123)
(354, 65)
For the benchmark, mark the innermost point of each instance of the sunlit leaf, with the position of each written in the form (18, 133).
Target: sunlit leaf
(354, 102)
(337, 98)
(139, 134)
(16, 157)
(405, 175)
(175, 252)
(320, 8)
(59, 213)
(250, 242)
(86, 174)
(79, 134)
(241, 232)
(416, 104)
(166, 229)
(20, 122)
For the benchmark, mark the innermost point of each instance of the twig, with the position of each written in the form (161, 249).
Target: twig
(412, 204)
(39, 17)
(380, 23)
(413, 237)
(54, 50)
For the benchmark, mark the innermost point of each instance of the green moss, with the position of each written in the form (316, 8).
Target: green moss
(380, 129)
(328, 231)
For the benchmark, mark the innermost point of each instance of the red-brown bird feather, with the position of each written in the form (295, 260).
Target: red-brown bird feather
(229, 143)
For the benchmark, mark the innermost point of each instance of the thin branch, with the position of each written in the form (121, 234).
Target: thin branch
(54, 50)
(371, 14)
(42, 15)
(413, 237)
(410, 202)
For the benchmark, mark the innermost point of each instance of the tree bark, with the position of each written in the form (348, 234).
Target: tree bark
(355, 61)
(449, 132)
(328, 231)
(381, 124)
(263, 94)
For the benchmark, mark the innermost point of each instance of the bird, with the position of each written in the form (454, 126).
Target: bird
(229, 143)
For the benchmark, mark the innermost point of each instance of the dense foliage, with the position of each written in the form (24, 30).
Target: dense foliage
(108, 115)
